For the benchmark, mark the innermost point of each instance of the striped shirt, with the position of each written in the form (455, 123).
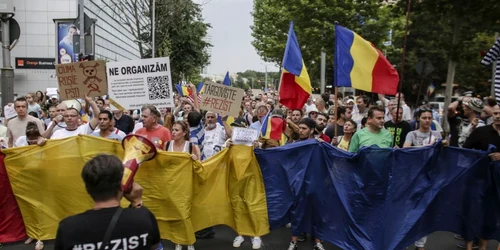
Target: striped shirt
(197, 135)
(492, 56)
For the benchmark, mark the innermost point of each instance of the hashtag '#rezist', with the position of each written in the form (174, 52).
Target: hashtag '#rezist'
(206, 102)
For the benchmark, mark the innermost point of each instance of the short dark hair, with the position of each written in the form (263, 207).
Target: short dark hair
(322, 114)
(371, 111)
(300, 110)
(33, 113)
(102, 176)
(100, 99)
(108, 113)
(341, 111)
(310, 123)
(366, 99)
(194, 118)
(21, 99)
(32, 129)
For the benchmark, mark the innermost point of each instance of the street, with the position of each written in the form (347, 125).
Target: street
(276, 240)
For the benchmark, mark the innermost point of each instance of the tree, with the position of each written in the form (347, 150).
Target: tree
(314, 22)
(430, 37)
(180, 33)
(133, 14)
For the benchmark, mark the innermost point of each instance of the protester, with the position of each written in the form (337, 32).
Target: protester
(373, 134)
(260, 114)
(321, 121)
(33, 106)
(134, 227)
(362, 104)
(343, 141)
(123, 122)
(215, 135)
(72, 121)
(397, 126)
(32, 137)
(156, 133)
(17, 126)
(307, 127)
(343, 114)
(481, 138)
(463, 117)
(106, 128)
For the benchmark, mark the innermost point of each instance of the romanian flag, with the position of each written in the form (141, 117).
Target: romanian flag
(272, 128)
(183, 90)
(431, 88)
(227, 80)
(359, 65)
(295, 86)
(201, 88)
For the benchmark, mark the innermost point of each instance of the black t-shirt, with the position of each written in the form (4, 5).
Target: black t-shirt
(482, 137)
(136, 229)
(403, 129)
(330, 131)
(125, 124)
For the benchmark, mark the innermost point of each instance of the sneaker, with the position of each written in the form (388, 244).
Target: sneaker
(458, 237)
(28, 240)
(256, 243)
(289, 225)
(293, 246)
(190, 247)
(318, 246)
(178, 247)
(39, 245)
(237, 241)
(302, 237)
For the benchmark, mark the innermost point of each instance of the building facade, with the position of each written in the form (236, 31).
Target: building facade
(115, 36)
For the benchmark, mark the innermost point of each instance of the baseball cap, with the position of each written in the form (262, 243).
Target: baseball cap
(53, 97)
(239, 122)
(475, 104)
(349, 100)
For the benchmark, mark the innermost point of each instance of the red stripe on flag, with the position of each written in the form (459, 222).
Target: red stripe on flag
(11, 221)
(276, 128)
(385, 78)
(291, 94)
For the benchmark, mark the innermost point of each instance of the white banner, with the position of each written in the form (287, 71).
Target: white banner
(133, 84)
(244, 136)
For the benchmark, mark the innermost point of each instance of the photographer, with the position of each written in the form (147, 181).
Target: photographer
(107, 224)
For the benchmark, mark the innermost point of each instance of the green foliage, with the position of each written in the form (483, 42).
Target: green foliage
(180, 30)
(314, 22)
(244, 79)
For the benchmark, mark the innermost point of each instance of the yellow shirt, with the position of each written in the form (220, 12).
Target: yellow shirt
(343, 144)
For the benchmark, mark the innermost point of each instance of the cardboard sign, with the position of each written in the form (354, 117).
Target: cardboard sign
(244, 136)
(77, 79)
(9, 112)
(133, 84)
(222, 99)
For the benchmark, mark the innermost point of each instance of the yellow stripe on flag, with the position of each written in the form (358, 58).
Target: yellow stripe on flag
(364, 57)
(184, 195)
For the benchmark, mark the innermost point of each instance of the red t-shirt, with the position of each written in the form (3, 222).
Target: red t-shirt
(325, 138)
(159, 136)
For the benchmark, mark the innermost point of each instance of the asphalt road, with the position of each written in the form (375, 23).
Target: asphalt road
(276, 240)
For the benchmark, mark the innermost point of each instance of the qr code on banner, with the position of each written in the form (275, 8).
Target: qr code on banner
(158, 87)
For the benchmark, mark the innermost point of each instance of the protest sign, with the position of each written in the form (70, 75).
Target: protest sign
(51, 91)
(222, 99)
(244, 136)
(82, 78)
(9, 112)
(133, 84)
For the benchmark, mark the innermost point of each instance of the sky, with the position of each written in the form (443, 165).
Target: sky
(231, 36)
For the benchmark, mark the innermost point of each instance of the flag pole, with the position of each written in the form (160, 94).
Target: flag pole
(402, 72)
(335, 109)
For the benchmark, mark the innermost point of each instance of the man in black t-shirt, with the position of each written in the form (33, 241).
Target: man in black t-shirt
(398, 128)
(136, 227)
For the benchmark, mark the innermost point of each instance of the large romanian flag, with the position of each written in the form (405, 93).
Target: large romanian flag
(358, 64)
(295, 86)
(272, 128)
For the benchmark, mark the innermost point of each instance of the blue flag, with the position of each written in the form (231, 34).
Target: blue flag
(227, 80)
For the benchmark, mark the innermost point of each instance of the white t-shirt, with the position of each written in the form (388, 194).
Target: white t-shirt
(21, 141)
(116, 131)
(214, 140)
(84, 129)
(137, 126)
